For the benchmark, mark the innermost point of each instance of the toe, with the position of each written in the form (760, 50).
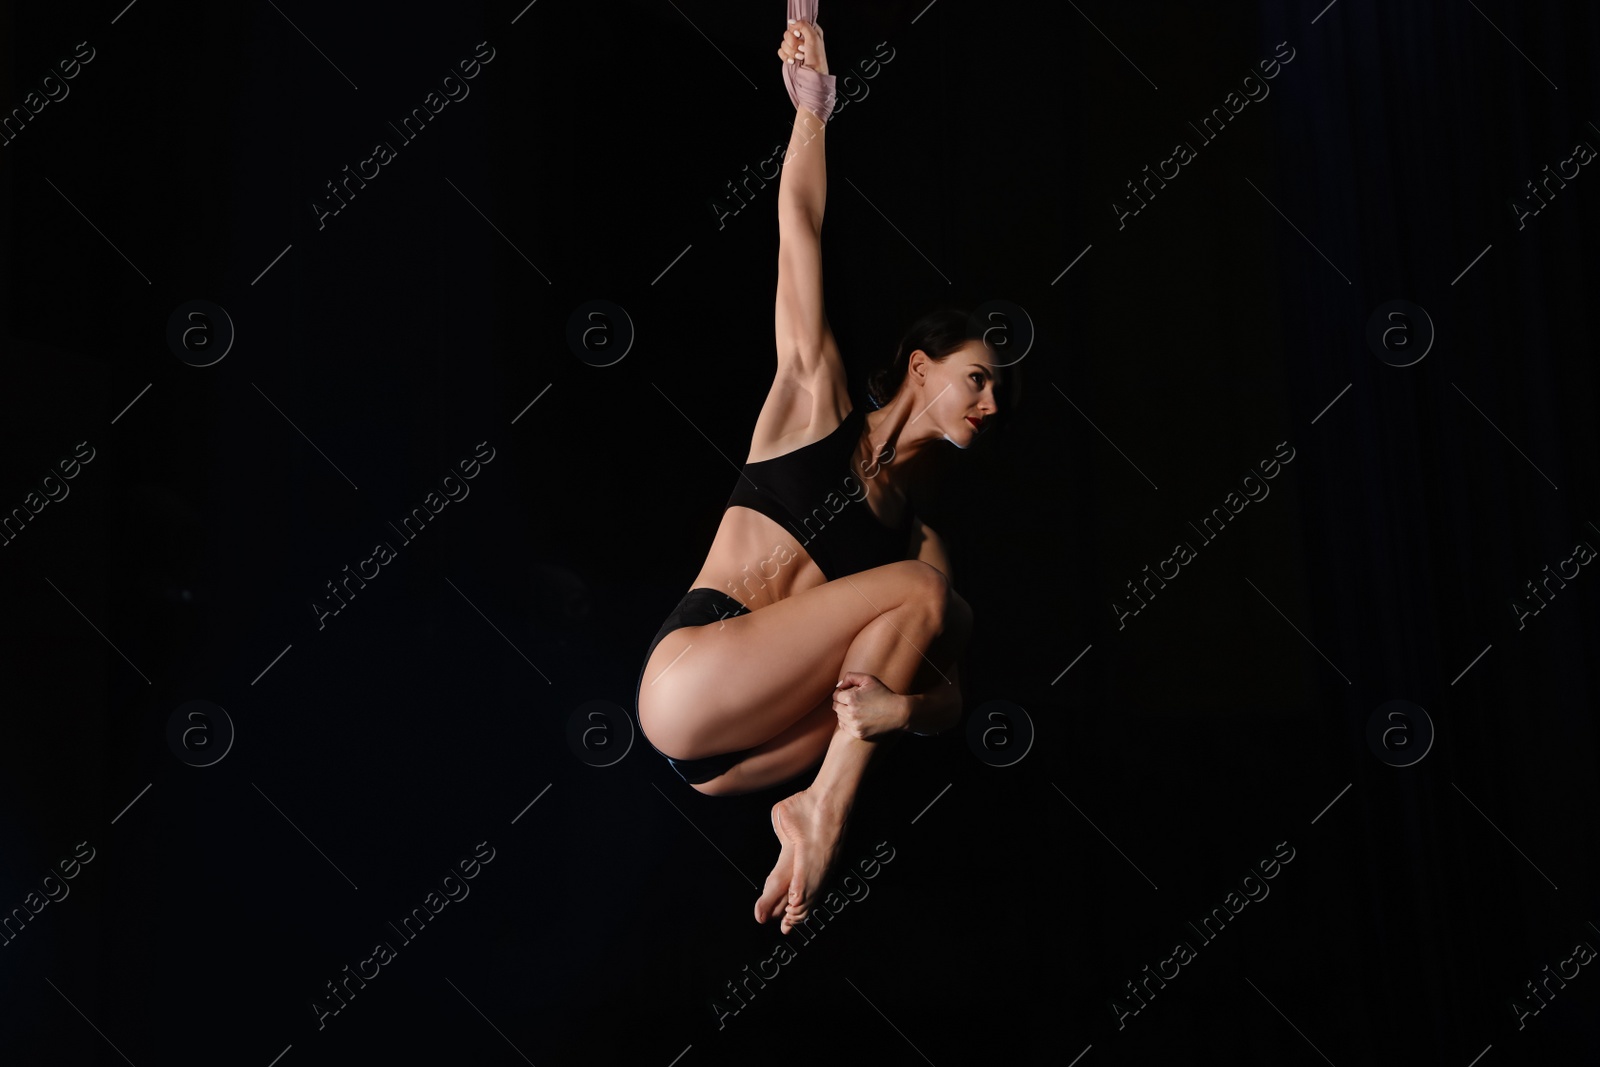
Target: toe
(802, 865)
(770, 904)
(777, 886)
(797, 886)
(771, 898)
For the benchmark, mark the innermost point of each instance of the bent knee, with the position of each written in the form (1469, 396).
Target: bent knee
(937, 600)
(926, 584)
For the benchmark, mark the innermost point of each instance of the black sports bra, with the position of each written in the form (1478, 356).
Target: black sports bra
(814, 494)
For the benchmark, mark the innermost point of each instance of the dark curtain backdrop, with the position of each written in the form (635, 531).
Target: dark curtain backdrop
(1352, 725)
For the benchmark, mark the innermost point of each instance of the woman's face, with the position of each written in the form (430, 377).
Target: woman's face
(958, 392)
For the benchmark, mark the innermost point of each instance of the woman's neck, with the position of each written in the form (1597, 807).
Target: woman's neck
(901, 446)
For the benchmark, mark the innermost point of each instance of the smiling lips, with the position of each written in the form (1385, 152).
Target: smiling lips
(976, 423)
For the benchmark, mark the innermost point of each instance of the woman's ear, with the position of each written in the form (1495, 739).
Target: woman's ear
(917, 364)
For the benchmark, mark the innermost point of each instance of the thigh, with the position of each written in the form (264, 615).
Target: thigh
(804, 744)
(796, 750)
(739, 682)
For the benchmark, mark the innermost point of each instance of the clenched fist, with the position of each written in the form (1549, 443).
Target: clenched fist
(802, 45)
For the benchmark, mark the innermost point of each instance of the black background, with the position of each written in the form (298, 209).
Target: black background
(1229, 715)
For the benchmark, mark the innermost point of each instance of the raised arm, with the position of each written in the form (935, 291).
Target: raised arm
(805, 343)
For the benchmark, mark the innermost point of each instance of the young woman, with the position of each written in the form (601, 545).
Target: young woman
(823, 620)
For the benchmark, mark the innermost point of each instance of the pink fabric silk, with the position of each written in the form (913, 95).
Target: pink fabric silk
(808, 89)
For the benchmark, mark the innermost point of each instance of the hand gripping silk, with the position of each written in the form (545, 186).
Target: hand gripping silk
(807, 88)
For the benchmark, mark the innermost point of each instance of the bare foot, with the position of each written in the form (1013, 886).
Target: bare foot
(774, 896)
(812, 827)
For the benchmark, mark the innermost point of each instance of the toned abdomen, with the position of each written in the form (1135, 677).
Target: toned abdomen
(756, 561)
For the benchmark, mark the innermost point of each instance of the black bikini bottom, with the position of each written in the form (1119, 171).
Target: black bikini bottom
(699, 606)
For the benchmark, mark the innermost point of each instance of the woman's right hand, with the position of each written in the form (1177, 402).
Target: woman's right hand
(802, 45)
(867, 709)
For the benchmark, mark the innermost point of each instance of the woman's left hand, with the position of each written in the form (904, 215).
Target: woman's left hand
(867, 708)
